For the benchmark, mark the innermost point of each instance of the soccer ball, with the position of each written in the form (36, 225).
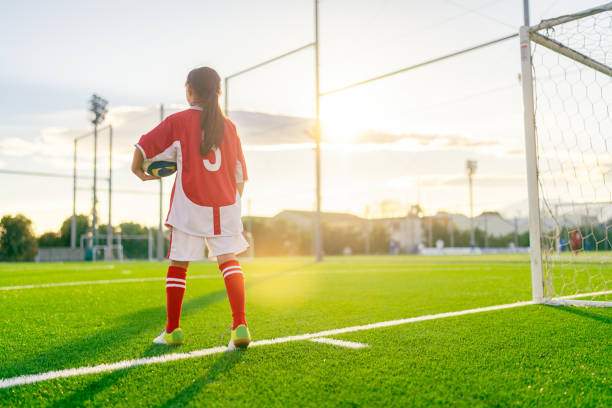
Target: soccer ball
(159, 168)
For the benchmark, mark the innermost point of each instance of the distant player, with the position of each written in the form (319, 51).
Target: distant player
(576, 241)
(205, 204)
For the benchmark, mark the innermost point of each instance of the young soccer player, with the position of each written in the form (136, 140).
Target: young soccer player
(205, 203)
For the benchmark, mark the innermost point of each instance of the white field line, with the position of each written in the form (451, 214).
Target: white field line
(409, 268)
(581, 295)
(101, 282)
(340, 343)
(131, 280)
(53, 266)
(579, 303)
(570, 300)
(71, 372)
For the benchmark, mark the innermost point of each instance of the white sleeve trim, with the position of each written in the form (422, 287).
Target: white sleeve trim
(141, 150)
(239, 173)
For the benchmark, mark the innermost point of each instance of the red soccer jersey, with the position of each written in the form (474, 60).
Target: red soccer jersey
(204, 200)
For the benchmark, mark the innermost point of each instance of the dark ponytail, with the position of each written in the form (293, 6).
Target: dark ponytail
(206, 84)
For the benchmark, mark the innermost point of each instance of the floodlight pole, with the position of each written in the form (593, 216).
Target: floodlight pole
(471, 168)
(109, 226)
(160, 231)
(486, 231)
(317, 230)
(98, 108)
(94, 220)
(74, 188)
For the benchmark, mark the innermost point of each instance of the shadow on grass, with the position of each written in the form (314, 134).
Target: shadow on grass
(87, 394)
(124, 330)
(221, 366)
(583, 312)
(121, 332)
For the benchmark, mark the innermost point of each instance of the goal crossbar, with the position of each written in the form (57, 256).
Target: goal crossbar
(551, 22)
(570, 53)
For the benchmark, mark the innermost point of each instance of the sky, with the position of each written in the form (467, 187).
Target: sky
(387, 145)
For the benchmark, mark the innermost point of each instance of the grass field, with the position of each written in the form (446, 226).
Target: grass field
(532, 355)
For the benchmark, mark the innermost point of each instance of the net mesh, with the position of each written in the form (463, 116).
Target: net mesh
(573, 132)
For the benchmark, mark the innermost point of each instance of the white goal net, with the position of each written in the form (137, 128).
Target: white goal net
(567, 84)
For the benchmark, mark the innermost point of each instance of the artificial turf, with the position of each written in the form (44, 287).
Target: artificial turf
(528, 356)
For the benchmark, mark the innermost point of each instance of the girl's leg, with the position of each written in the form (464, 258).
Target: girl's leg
(234, 284)
(180, 264)
(175, 290)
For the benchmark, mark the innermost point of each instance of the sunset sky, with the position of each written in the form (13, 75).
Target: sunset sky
(401, 140)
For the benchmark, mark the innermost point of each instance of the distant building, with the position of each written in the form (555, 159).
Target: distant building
(305, 219)
(406, 232)
(409, 232)
(489, 221)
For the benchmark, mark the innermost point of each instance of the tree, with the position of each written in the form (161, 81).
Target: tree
(380, 240)
(17, 240)
(49, 239)
(82, 226)
(336, 238)
(134, 248)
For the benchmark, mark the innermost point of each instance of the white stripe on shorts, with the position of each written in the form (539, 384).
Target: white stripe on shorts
(232, 272)
(172, 285)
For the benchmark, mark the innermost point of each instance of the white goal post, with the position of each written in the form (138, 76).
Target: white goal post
(566, 66)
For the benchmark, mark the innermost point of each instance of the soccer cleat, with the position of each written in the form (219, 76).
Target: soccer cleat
(241, 337)
(170, 339)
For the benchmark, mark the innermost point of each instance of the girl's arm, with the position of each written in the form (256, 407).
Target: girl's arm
(240, 187)
(137, 161)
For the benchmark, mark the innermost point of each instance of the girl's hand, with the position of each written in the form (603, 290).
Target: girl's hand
(137, 161)
(144, 176)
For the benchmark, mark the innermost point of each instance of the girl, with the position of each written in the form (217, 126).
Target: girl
(205, 202)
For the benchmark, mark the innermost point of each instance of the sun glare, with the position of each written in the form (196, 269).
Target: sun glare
(341, 121)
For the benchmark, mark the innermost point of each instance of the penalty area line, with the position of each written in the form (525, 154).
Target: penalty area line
(121, 365)
(340, 343)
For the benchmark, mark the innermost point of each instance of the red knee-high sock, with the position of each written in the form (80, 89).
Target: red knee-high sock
(234, 283)
(175, 289)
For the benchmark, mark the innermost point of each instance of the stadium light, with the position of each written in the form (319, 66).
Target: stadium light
(471, 166)
(98, 109)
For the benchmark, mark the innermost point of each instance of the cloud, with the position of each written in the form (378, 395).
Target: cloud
(262, 129)
(511, 180)
(258, 131)
(515, 152)
(53, 142)
(53, 145)
(423, 140)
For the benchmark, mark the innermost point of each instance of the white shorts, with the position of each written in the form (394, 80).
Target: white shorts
(186, 247)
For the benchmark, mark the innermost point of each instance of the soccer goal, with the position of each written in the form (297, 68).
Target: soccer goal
(567, 94)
